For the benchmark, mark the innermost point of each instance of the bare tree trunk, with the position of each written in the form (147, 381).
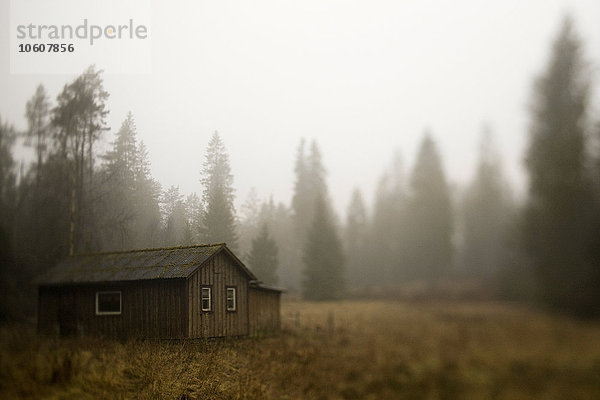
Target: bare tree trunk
(73, 213)
(38, 178)
(39, 153)
(81, 205)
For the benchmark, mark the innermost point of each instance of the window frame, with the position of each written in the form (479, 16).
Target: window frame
(210, 299)
(98, 312)
(234, 290)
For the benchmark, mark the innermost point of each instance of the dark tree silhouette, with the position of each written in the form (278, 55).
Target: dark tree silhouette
(559, 215)
(79, 120)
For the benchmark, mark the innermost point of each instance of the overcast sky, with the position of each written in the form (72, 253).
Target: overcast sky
(363, 78)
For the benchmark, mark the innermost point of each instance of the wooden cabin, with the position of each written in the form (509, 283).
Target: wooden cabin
(184, 292)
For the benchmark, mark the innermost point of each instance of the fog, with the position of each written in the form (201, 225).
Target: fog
(437, 143)
(364, 79)
(393, 199)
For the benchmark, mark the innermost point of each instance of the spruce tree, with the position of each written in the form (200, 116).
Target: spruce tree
(559, 213)
(118, 185)
(388, 230)
(278, 218)
(121, 160)
(355, 240)
(175, 219)
(130, 215)
(248, 226)
(301, 202)
(193, 224)
(430, 249)
(486, 217)
(147, 196)
(310, 184)
(323, 257)
(219, 216)
(263, 258)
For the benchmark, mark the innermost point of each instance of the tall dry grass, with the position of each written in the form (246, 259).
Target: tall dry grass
(345, 350)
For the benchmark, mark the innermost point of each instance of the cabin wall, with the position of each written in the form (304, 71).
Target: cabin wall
(48, 312)
(149, 309)
(219, 273)
(264, 310)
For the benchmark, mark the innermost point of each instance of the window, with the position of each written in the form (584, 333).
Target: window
(206, 299)
(108, 303)
(231, 300)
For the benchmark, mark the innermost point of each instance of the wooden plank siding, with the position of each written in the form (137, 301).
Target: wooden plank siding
(218, 273)
(48, 312)
(161, 295)
(264, 312)
(149, 309)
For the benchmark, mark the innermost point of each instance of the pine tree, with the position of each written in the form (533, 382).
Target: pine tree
(263, 258)
(324, 272)
(559, 211)
(219, 218)
(430, 249)
(37, 112)
(79, 120)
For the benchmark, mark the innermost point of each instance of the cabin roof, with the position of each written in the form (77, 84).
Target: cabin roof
(133, 265)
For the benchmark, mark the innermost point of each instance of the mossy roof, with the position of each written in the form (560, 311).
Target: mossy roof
(133, 265)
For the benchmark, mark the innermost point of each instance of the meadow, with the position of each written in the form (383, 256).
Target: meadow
(341, 350)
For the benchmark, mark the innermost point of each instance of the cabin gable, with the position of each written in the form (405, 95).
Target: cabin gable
(219, 273)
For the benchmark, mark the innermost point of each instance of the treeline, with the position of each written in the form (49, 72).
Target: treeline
(74, 199)
(422, 236)
(426, 237)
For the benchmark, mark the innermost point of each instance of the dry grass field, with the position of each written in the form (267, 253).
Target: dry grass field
(345, 350)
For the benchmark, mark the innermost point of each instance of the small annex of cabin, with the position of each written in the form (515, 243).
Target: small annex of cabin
(198, 291)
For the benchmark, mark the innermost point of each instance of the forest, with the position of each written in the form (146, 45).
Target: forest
(424, 237)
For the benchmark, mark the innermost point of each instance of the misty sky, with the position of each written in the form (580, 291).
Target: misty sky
(364, 78)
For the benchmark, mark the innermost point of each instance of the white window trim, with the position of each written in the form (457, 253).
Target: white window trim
(209, 298)
(234, 291)
(98, 312)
